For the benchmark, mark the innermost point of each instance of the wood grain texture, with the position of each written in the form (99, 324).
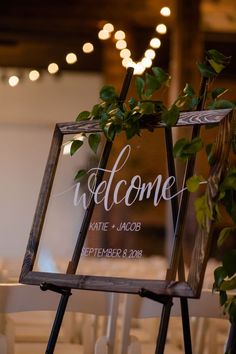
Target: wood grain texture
(110, 284)
(150, 121)
(42, 203)
(220, 155)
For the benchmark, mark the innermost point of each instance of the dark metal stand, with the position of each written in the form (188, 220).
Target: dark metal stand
(231, 344)
(178, 215)
(73, 264)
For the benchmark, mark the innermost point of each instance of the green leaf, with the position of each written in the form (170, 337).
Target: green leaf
(132, 129)
(229, 262)
(224, 234)
(219, 275)
(75, 146)
(223, 297)
(152, 84)
(184, 148)
(193, 183)
(179, 146)
(170, 116)
(202, 210)
(108, 93)
(94, 141)
(80, 174)
(194, 146)
(219, 91)
(109, 131)
(139, 84)
(206, 70)
(227, 285)
(209, 154)
(83, 116)
(218, 104)
(218, 57)
(147, 107)
(160, 74)
(132, 102)
(216, 66)
(229, 182)
(159, 106)
(229, 201)
(96, 110)
(188, 90)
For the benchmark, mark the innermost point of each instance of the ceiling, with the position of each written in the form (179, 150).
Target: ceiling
(34, 33)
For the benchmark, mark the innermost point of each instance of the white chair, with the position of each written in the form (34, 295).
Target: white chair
(136, 309)
(84, 309)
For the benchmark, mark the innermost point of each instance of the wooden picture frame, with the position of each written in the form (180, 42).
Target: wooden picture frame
(190, 288)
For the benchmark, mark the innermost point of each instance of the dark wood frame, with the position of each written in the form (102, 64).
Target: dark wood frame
(170, 287)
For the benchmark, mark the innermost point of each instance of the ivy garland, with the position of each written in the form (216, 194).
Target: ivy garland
(132, 116)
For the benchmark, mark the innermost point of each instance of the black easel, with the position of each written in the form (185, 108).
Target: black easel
(73, 264)
(178, 216)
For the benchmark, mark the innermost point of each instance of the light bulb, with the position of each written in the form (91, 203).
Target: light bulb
(161, 28)
(71, 58)
(119, 35)
(34, 75)
(155, 43)
(13, 80)
(53, 68)
(165, 11)
(88, 48)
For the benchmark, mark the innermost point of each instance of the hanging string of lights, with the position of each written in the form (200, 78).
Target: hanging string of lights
(119, 36)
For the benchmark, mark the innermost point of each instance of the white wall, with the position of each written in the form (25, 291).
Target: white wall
(28, 114)
(51, 99)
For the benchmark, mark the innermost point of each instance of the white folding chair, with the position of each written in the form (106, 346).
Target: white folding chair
(137, 308)
(89, 304)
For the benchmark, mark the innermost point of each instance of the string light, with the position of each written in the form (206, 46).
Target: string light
(155, 43)
(150, 53)
(121, 44)
(165, 11)
(13, 80)
(161, 28)
(119, 35)
(139, 69)
(34, 75)
(53, 68)
(103, 34)
(108, 27)
(147, 62)
(88, 48)
(127, 62)
(125, 53)
(71, 58)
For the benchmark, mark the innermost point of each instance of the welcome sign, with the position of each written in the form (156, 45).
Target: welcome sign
(105, 216)
(119, 230)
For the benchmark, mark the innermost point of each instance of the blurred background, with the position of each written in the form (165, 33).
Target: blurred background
(56, 55)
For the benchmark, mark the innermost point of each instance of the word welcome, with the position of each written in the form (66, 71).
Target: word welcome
(110, 193)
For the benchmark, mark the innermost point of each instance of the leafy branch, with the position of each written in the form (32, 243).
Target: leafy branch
(144, 111)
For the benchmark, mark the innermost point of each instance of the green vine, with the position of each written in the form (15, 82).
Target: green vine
(138, 113)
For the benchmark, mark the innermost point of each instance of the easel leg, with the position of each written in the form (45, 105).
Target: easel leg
(165, 317)
(57, 323)
(186, 325)
(231, 344)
